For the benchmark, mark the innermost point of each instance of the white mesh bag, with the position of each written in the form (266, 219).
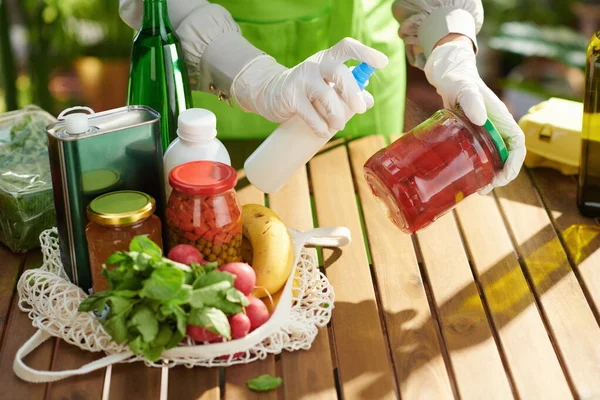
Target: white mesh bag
(52, 303)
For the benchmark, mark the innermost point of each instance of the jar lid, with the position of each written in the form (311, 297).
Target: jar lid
(121, 208)
(203, 177)
(497, 139)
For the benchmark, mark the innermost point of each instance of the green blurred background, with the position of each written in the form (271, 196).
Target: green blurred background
(60, 53)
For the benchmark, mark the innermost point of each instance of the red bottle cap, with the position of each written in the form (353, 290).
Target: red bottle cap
(203, 177)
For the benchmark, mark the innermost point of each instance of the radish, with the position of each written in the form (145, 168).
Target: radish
(245, 277)
(257, 312)
(199, 334)
(185, 254)
(240, 325)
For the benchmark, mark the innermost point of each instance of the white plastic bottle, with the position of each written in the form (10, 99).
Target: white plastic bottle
(197, 140)
(291, 146)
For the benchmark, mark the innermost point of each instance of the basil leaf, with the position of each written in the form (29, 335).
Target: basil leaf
(144, 321)
(264, 383)
(118, 304)
(226, 306)
(90, 303)
(164, 284)
(116, 327)
(164, 335)
(142, 244)
(212, 319)
(175, 339)
(136, 344)
(235, 296)
(118, 258)
(213, 277)
(152, 352)
(180, 316)
(207, 295)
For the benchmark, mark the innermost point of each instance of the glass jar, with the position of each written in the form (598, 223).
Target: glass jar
(114, 220)
(203, 210)
(426, 172)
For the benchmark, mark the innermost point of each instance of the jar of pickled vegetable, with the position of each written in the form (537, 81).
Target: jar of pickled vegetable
(114, 220)
(203, 210)
(426, 172)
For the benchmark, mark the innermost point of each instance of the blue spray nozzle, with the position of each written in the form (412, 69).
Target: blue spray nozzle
(362, 72)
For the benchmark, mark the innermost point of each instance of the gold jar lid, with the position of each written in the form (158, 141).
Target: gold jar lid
(121, 208)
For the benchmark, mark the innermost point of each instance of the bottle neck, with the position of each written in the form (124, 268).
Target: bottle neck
(156, 17)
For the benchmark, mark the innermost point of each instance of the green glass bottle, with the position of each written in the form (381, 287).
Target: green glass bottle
(158, 76)
(588, 193)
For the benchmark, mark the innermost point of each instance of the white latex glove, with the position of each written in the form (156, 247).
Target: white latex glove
(277, 93)
(452, 69)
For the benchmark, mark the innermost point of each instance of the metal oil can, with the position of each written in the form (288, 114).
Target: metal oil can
(96, 153)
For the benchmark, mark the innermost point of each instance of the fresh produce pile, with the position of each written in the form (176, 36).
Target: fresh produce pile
(26, 200)
(153, 302)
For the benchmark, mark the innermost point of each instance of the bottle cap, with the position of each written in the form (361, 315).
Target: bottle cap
(197, 125)
(497, 139)
(203, 177)
(362, 72)
(77, 123)
(121, 208)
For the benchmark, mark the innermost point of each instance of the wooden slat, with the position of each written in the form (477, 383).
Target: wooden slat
(572, 324)
(580, 235)
(531, 358)
(236, 377)
(411, 328)
(10, 266)
(292, 204)
(193, 384)
(475, 358)
(363, 362)
(83, 387)
(135, 380)
(18, 332)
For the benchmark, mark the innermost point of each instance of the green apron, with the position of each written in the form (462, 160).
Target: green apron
(293, 30)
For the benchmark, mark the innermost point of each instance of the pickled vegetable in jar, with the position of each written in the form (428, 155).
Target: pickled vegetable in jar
(114, 220)
(426, 172)
(203, 210)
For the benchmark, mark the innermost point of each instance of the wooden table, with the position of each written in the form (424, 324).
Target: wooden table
(496, 300)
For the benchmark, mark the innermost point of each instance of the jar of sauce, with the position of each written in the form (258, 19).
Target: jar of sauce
(114, 220)
(203, 210)
(426, 172)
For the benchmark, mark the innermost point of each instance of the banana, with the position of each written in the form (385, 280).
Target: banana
(272, 249)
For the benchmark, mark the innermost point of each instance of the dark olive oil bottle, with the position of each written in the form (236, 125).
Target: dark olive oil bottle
(588, 193)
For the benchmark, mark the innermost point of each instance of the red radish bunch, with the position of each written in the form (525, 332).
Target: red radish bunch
(185, 254)
(255, 314)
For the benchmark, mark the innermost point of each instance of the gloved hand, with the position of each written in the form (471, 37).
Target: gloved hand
(451, 68)
(278, 93)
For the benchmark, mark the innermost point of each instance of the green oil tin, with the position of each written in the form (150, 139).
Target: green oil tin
(118, 149)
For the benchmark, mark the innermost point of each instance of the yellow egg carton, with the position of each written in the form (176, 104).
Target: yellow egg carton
(553, 135)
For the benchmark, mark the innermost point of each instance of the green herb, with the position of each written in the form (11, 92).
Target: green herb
(26, 201)
(264, 383)
(152, 299)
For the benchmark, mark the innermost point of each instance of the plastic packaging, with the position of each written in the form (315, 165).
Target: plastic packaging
(426, 172)
(115, 219)
(26, 200)
(203, 210)
(197, 140)
(553, 135)
(291, 146)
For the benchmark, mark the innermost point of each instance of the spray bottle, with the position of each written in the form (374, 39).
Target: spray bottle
(291, 146)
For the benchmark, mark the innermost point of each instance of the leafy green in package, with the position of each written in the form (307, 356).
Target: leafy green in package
(26, 200)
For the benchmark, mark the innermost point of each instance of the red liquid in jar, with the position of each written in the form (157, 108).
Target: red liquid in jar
(424, 174)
